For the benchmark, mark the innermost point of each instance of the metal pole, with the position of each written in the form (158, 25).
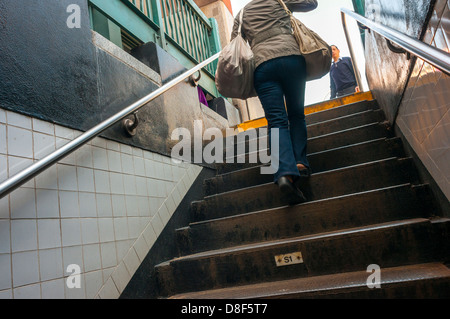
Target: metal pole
(352, 53)
(434, 56)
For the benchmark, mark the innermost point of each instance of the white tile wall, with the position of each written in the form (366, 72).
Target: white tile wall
(102, 208)
(424, 114)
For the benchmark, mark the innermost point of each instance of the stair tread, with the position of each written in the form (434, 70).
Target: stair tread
(389, 160)
(324, 122)
(379, 147)
(335, 111)
(368, 103)
(319, 137)
(328, 199)
(325, 152)
(345, 130)
(367, 163)
(235, 243)
(324, 283)
(332, 213)
(280, 242)
(377, 140)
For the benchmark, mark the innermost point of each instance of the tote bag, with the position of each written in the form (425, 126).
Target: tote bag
(315, 50)
(235, 68)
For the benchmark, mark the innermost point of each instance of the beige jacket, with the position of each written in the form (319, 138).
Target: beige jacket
(267, 28)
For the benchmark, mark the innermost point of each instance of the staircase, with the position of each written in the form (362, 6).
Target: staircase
(366, 206)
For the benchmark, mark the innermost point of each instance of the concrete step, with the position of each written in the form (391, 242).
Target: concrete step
(387, 245)
(329, 114)
(419, 281)
(365, 206)
(320, 162)
(340, 111)
(317, 144)
(345, 122)
(355, 210)
(258, 139)
(352, 179)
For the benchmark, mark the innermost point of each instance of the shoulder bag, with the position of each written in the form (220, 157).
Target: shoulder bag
(316, 51)
(235, 68)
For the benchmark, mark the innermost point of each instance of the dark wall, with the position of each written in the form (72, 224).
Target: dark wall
(46, 69)
(388, 72)
(55, 73)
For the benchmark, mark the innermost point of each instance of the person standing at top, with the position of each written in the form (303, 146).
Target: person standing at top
(280, 80)
(342, 76)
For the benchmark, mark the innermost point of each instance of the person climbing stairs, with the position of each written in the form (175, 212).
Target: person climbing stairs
(366, 211)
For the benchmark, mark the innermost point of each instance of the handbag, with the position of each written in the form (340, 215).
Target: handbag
(235, 68)
(315, 50)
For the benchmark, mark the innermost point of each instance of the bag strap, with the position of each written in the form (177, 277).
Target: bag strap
(285, 7)
(240, 21)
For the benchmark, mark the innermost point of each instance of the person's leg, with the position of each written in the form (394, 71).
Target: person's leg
(270, 92)
(294, 89)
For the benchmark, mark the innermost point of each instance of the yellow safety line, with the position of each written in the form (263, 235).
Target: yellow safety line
(322, 106)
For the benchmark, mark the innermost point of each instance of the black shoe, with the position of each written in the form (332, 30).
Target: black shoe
(305, 172)
(294, 195)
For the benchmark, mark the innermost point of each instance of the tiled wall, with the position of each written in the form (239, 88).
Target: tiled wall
(101, 208)
(424, 116)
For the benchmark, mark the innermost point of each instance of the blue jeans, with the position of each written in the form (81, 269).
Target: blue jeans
(280, 85)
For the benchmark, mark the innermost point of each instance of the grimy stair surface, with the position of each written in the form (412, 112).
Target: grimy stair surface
(398, 282)
(387, 244)
(354, 179)
(372, 207)
(365, 205)
(331, 141)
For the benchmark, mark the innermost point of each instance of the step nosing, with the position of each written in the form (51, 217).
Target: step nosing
(374, 141)
(311, 237)
(310, 203)
(344, 117)
(329, 282)
(343, 106)
(336, 119)
(346, 130)
(383, 282)
(310, 140)
(337, 109)
(239, 190)
(324, 152)
(393, 160)
(375, 123)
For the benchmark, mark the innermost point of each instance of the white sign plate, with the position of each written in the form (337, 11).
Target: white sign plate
(289, 259)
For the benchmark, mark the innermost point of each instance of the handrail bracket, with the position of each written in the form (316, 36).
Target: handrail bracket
(130, 126)
(397, 49)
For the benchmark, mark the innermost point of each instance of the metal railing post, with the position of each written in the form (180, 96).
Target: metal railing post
(214, 41)
(352, 53)
(158, 19)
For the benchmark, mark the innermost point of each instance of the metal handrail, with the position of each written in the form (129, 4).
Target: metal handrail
(352, 53)
(438, 58)
(28, 173)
